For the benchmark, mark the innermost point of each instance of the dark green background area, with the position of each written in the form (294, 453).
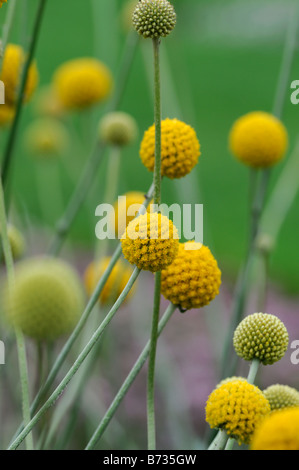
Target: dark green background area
(221, 62)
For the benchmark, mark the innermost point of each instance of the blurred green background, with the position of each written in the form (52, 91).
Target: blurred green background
(222, 61)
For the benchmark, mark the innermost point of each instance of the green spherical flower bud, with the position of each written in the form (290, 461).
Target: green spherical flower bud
(46, 299)
(154, 18)
(118, 129)
(261, 336)
(282, 396)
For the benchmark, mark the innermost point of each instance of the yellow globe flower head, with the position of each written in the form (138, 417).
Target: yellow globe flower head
(47, 104)
(81, 83)
(282, 396)
(13, 62)
(238, 408)
(47, 138)
(46, 300)
(150, 242)
(193, 279)
(154, 18)
(126, 209)
(115, 284)
(230, 379)
(1, 2)
(118, 129)
(279, 431)
(7, 114)
(258, 139)
(180, 148)
(261, 336)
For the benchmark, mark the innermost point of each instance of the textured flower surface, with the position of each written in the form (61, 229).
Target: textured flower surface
(279, 431)
(81, 83)
(118, 129)
(115, 284)
(282, 396)
(47, 138)
(180, 148)
(126, 209)
(261, 336)
(150, 242)
(154, 18)
(46, 300)
(237, 407)
(193, 279)
(13, 62)
(258, 139)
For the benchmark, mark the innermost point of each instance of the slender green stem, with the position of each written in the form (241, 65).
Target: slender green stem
(220, 441)
(19, 336)
(93, 162)
(77, 364)
(254, 367)
(8, 154)
(230, 444)
(151, 425)
(9, 20)
(127, 383)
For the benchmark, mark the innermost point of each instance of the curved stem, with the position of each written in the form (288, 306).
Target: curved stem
(127, 383)
(254, 367)
(77, 364)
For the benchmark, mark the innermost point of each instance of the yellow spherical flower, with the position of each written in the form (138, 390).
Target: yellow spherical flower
(125, 210)
(193, 279)
(46, 138)
(115, 284)
(1, 2)
(47, 104)
(46, 299)
(180, 148)
(230, 379)
(282, 396)
(261, 336)
(13, 62)
(279, 431)
(81, 83)
(150, 242)
(238, 408)
(259, 139)
(7, 113)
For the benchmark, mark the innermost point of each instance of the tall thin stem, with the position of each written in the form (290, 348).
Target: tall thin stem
(10, 16)
(127, 383)
(151, 425)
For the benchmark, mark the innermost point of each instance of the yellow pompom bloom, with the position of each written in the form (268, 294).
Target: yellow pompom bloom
(81, 83)
(180, 148)
(47, 138)
(261, 336)
(282, 396)
(231, 379)
(46, 300)
(193, 279)
(279, 431)
(13, 62)
(7, 113)
(1, 2)
(115, 284)
(238, 408)
(150, 242)
(258, 139)
(126, 209)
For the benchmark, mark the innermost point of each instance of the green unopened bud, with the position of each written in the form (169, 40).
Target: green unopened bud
(282, 396)
(118, 129)
(154, 18)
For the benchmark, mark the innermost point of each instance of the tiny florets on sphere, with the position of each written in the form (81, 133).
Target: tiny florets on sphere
(81, 83)
(258, 139)
(261, 336)
(154, 18)
(282, 396)
(279, 431)
(118, 128)
(238, 408)
(180, 148)
(46, 300)
(193, 279)
(150, 242)
(115, 284)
